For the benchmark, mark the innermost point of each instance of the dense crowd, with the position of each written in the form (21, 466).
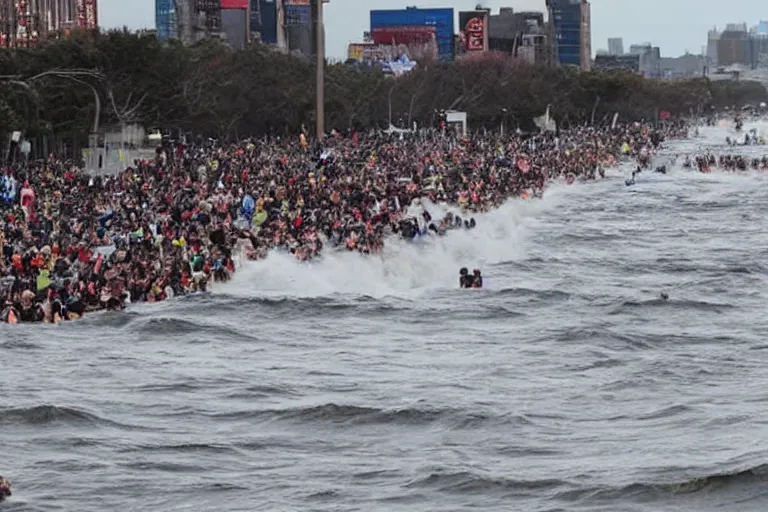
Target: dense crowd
(71, 242)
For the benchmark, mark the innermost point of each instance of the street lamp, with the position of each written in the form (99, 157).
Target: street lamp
(503, 121)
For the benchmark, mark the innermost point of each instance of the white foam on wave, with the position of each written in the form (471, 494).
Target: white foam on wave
(715, 135)
(403, 269)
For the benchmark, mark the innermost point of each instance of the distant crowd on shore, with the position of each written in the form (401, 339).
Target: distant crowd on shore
(71, 242)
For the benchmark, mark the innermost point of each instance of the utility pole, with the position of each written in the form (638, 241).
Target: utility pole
(320, 80)
(280, 9)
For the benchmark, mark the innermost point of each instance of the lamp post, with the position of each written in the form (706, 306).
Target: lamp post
(320, 79)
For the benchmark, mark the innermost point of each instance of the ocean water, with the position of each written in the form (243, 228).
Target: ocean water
(360, 384)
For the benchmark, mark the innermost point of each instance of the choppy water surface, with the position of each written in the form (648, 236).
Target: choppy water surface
(369, 384)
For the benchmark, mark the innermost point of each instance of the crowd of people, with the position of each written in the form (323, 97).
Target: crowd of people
(71, 242)
(709, 161)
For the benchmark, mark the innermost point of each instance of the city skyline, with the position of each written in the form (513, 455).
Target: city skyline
(659, 22)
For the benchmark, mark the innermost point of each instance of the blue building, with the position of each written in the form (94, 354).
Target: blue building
(439, 19)
(165, 19)
(297, 15)
(565, 16)
(264, 20)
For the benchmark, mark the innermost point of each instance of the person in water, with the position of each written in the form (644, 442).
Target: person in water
(5, 489)
(477, 279)
(466, 280)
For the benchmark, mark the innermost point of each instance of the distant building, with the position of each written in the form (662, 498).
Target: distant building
(403, 26)
(734, 46)
(187, 20)
(650, 59)
(24, 22)
(737, 46)
(193, 20)
(523, 34)
(713, 37)
(298, 29)
(759, 51)
(235, 23)
(616, 46)
(264, 21)
(571, 28)
(586, 36)
(165, 19)
(684, 67)
(610, 63)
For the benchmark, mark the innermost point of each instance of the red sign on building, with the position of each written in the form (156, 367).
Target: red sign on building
(473, 34)
(234, 4)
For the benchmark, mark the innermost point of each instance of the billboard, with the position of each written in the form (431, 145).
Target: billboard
(473, 31)
(234, 4)
(207, 5)
(297, 12)
(403, 35)
(440, 20)
(373, 52)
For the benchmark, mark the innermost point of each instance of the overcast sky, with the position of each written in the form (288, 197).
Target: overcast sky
(673, 25)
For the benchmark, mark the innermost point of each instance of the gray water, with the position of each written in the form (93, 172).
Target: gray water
(373, 384)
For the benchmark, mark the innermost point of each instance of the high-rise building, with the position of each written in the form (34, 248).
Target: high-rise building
(615, 46)
(650, 59)
(165, 19)
(23, 22)
(713, 36)
(585, 42)
(571, 28)
(523, 34)
(264, 20)
(235, 22)
(188, 20)
(734, 46)
(760, 51)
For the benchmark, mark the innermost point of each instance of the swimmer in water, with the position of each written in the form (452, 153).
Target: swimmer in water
(664, 296)
(477, 280)
(5, 489)
(465, 280)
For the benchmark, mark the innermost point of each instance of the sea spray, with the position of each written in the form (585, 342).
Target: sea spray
(403, 269)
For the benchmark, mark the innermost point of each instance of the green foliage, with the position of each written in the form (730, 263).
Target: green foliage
(211, 90)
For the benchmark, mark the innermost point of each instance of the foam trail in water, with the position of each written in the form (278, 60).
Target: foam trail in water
(715, 135)
(403, 269)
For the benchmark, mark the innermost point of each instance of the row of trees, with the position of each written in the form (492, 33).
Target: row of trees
(51, 90)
